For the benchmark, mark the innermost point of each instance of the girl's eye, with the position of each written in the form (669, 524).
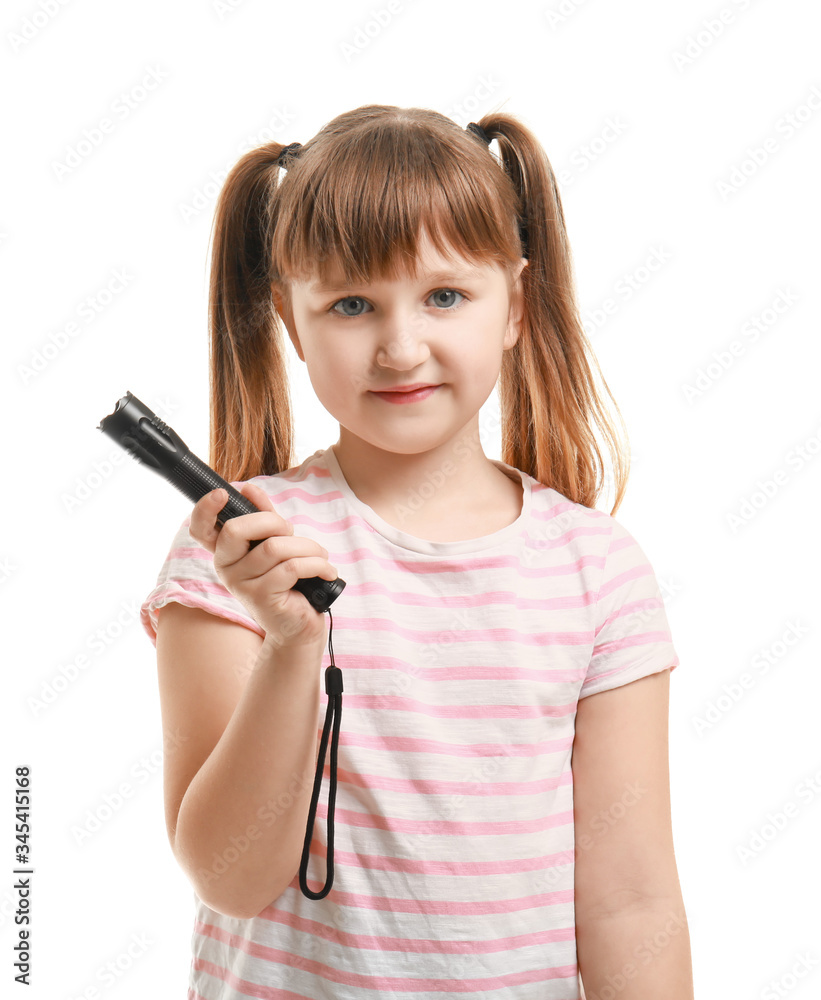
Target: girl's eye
(357, 298)
(447, 291)
(350, 298)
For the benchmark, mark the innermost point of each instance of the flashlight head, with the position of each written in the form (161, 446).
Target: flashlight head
(143, 435)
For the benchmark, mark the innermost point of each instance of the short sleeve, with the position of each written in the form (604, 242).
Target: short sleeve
(188, 577)
(632, 635)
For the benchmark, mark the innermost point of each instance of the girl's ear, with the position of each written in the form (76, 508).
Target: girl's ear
(278, 300)
(517, 301)
(287, 316)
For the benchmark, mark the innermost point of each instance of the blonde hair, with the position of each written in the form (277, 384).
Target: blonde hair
(356, 197)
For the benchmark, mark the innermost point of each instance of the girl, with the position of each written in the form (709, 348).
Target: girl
(502, 820)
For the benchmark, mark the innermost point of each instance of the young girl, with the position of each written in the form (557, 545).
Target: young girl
(502, 816)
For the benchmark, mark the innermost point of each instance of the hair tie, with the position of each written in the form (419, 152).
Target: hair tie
(478, 130)
(286, 152)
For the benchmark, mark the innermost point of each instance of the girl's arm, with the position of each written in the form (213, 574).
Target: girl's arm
(631, 928)
(240, 731)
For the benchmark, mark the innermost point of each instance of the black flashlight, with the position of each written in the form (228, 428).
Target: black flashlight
(141, 432)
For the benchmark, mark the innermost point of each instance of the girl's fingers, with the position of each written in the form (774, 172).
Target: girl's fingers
(204, 526)
(206, 529)
(293, 553)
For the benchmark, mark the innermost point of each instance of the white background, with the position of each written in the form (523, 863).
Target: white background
(647, 115)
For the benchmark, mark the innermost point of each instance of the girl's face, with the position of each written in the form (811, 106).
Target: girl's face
(447, 328)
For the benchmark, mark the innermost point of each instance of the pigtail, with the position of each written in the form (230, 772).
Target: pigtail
(251, 431)
(547, 392)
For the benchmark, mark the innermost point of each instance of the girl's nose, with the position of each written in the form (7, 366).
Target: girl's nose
(403, 353)
(403, 340)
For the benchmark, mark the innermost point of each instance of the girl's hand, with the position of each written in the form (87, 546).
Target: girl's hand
(262, 577)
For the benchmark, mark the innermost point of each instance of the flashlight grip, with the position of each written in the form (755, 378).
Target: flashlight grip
(194, 478)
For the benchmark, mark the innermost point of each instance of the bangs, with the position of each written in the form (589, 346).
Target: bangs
(355, 205)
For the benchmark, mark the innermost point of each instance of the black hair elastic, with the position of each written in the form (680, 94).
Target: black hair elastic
(287, 151)
(478, 130)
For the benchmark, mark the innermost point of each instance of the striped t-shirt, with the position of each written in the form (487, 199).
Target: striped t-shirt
(463, 663)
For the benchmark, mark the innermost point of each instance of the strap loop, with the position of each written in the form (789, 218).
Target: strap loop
(333, 688)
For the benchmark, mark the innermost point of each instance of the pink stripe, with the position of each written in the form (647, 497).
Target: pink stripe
(634, 573)
(186, 552)
(244, 986)
(298, 492)
(639, 639)
(414, 744)
(434, 786)
(563, 505)
(447, 636)
(465, 672)
(455, 869)
(624, 542)
(395, 703)
(448, 908)
(451, 828)
(320, 472)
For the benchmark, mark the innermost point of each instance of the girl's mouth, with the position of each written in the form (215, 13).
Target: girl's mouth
(407, 397)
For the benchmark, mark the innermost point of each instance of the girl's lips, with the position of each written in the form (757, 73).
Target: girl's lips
(407, 397)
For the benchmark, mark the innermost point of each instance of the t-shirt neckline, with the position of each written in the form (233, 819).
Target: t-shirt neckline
(407, 541)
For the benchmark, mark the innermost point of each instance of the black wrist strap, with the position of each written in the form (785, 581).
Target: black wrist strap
(333, 688)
